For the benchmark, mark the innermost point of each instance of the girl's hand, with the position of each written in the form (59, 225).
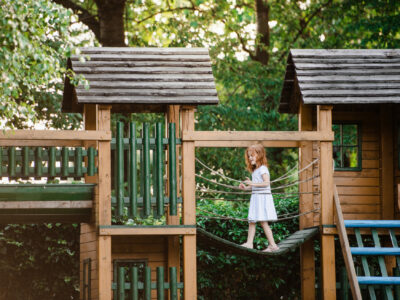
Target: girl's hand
(248, 181)
(242, 186)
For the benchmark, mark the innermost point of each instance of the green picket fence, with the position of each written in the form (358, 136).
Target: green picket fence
(139, 171)
(47, 162)
(134, 289)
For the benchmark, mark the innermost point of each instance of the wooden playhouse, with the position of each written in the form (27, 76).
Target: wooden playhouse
(357, 94)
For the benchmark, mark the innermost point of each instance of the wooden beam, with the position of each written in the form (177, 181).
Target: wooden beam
(348, 258)
(151, 230)
(63, 135)
(306, 203)
(324, 124)
(41, 143)
(256, 136)
(245, 144)
(189, 267)
(387, 162)
(173, 243)
(189, 206)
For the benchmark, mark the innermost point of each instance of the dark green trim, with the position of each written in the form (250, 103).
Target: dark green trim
(329, 226)
(359, 146)
(46, 192)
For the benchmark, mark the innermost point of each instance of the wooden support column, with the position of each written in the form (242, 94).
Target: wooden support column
(324, 121)
(307, 253)
(172, 116)
(88, 235)
(104, 206)
(387, 174)
(189, 206)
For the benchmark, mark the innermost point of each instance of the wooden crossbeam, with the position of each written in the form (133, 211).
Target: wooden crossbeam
(243, 138)
(147, 230)
(51, 137)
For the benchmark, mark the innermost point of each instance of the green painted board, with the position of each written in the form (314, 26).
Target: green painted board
(46, 192)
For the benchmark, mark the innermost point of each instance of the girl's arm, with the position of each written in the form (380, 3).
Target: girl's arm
(265, 182)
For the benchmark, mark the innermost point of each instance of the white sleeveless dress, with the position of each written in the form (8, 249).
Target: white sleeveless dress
(262, 206)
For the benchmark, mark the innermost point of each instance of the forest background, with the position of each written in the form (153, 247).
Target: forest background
(248, 40)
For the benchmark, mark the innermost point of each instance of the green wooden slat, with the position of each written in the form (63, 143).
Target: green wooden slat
(147, 283)
(344, 284)
(132, 170)
(121, 283)
(78, 159)
(52, 162)
(64, 162)
(382, 265)
(396, 288)
(364, 263)
(395, 244)
(119, 188)
(159, 170)
(38, 162)
(160, 283)
(134, 294)
(11, 162)
(173, 288)
(91, 153)
(172, 170)
(146, 161)
(25, 162)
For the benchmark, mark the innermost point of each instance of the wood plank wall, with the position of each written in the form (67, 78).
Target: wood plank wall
(153, 249)
(359, 191)
(396, 162)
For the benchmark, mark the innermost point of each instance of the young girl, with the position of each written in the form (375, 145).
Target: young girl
(262, 207)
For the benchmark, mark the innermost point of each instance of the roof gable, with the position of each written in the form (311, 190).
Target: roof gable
(343, 76)
(145, 76)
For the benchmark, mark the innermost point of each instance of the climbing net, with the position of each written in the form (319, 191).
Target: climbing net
(277, 190)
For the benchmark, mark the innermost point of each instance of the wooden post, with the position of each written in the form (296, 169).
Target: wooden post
(324, 123)
(387, 173)
(88, 236)
(307, 253)
(189, 207)
(172, 116)
(104, 206)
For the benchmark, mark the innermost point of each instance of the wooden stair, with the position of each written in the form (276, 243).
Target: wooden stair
(372, 227)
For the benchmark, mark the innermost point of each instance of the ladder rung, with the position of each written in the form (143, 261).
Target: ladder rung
(374, 251)
(378, 280)
(372, 223)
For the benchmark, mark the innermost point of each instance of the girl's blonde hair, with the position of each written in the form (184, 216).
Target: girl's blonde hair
(261, 160)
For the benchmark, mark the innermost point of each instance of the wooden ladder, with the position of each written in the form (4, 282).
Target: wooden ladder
(376, 251)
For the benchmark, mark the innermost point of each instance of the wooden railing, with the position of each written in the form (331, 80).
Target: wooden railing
(133, 285)
(344, 242)
(139, 181)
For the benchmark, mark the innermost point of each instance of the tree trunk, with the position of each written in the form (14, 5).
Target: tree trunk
(262, 10)
(111, 19)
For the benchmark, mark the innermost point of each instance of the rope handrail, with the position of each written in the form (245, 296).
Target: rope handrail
(284, 176)
(211, 191)
(278, 197)
(272, 188)
(221, 217)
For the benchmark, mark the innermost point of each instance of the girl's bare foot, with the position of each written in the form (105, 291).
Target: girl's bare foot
(247, 245)
(271, 248)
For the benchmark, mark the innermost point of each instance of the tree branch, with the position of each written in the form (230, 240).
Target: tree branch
(84, 16)
(304, 24)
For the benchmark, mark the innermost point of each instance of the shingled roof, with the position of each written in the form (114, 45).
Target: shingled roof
(141, 76)
(341, 77)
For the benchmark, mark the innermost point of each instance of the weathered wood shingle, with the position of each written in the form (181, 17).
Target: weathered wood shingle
(144, 76)
(341, 77)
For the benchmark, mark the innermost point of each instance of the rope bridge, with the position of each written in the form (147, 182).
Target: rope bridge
(289, 244)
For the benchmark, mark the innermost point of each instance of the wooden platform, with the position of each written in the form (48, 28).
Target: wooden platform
(31, 203)
(289, 244)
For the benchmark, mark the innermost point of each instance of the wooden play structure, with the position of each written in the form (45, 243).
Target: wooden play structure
(346, 101)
